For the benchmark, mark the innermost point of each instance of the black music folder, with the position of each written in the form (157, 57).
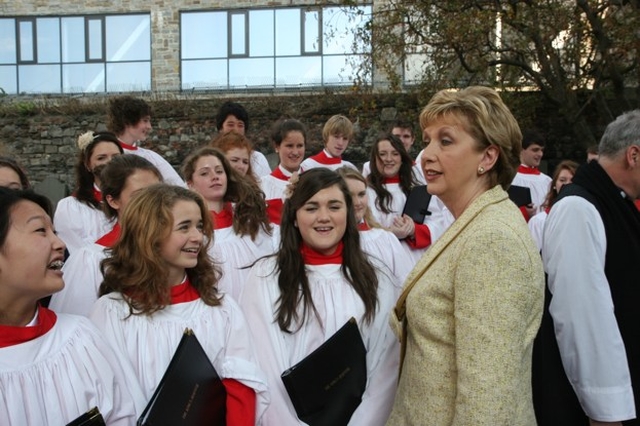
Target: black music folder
(190, 392)
(327, 386)
(90, 418)
(521, 195)
(417, 204)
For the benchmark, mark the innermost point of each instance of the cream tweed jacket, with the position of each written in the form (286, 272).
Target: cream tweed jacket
(471, 318)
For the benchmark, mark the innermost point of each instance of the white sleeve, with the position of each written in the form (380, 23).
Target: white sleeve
(536, 226)
(366, 169)
(259, 164)
(591, 347)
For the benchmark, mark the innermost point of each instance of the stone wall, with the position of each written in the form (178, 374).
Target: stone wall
(42, 134)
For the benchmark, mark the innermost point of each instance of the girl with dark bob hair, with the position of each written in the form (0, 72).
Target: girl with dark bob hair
(53, 367)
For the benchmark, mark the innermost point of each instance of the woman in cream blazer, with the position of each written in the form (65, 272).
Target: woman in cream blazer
(472, 306)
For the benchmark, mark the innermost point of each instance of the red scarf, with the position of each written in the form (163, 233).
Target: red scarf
(128, 147)
(279, 173)
(312, 257)
(224, 219)
(184, 292)
(110, 238)
(526, 170)
(11, 335)
(324, 158)
(395, 179)
(274, 210)
(97, 194)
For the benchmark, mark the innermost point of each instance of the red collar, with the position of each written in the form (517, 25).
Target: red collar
(128, 147)
(312, 257)
(10, 335)
(395, 179)
(224, 219)
(526, 170)
(184, 292)
(97, 194)
(323, 157)
(363, 226)
(280, 173)
(110, 238)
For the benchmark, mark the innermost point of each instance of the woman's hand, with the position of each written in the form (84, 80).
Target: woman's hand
(403, 227)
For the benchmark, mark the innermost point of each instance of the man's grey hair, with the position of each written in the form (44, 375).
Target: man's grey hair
(620, 134)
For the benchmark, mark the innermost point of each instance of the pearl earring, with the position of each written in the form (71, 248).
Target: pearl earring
(480, 170)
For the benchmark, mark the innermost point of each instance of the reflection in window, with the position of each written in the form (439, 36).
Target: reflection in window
(26, 39)
(209, 26)
(277, 47)
(75, 54)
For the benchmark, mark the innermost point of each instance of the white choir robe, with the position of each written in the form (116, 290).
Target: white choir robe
(336, 302)
(313, 162)
(82, 279)
(235, 254)
(55, 378)
(259, 164)
(384, 246)
(438, 221)
(78, 224)
(539, 185)
(169, 174)
(273, 187)
(536, 227)
(148, 342)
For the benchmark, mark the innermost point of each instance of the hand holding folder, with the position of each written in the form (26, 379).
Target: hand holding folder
(326, 387)
(417, 204)
(190, 392)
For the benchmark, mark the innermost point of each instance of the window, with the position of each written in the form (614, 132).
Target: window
(271, 47)
(75, 54)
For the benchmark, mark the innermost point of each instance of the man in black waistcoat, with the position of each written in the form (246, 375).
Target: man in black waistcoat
(586, 368)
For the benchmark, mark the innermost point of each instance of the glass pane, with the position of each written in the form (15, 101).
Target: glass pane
(8, 80)
(339, 25)
(7, 41)
(209, 74)
(288, 32)
(128, 38)
(340, 69)
(95, 39)
(261, 33)
(83, 78)
(135, 77)
(48, 40)
(72, 39)
(305, 71)
(414, 66)
(39, 78)
(312, 31)
(26, 41)
(196, 28)
(248, 72)
(238, 34)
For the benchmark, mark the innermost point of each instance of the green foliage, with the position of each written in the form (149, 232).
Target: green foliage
(555, 47)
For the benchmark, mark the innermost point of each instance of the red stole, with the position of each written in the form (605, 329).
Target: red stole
(184, 292)
(128, 147)
(274, 210)
(526, 170)
(224, 219)
(97, 194)
(110, 238)
(363, 226)
(312, 257)
(323, 157)
(279, 173)
(395, 179)
(12, 335)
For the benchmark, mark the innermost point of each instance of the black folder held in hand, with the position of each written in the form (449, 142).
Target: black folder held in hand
(521, 195)
(90, 418)
(327, 386)
(190, 392)
(417, 204)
